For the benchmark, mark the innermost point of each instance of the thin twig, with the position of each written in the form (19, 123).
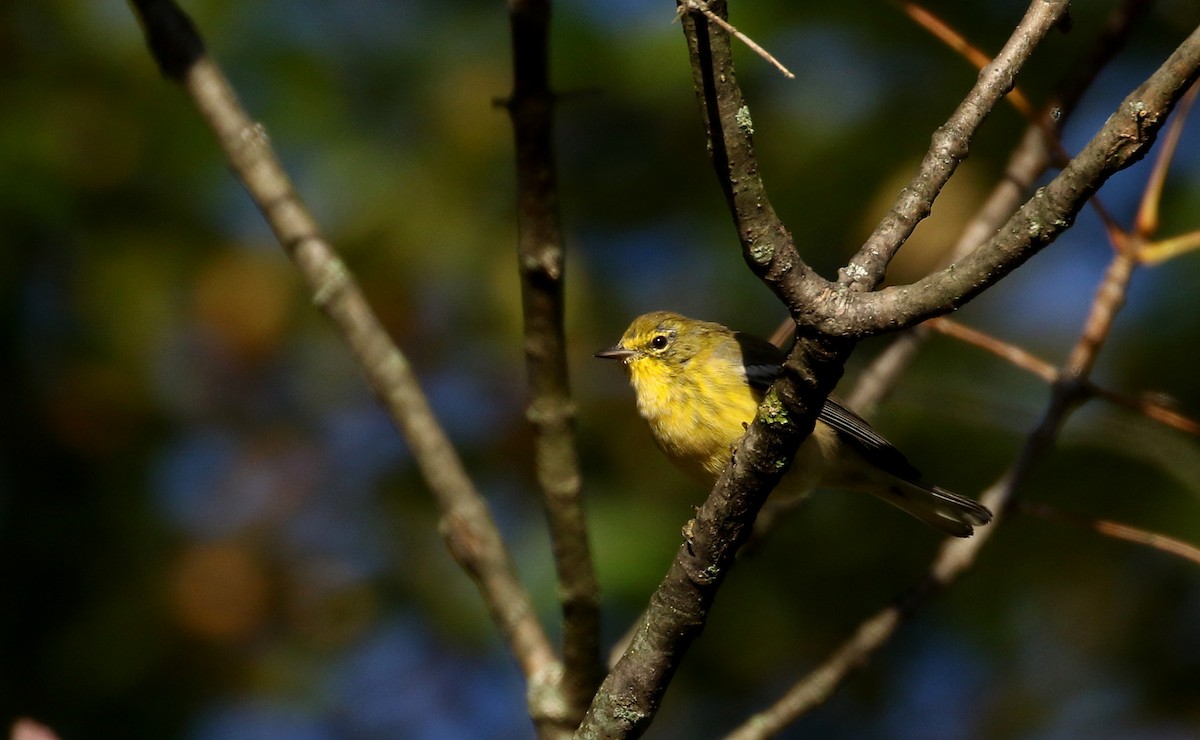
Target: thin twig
(973, 54)
(1162, 250)
(1161, 542)
(1149, 407)
(702, 6)
(1047, 124)
(954, 557)
(1097, 327)
(1017, 356)
(950, 145)
(1146, 222)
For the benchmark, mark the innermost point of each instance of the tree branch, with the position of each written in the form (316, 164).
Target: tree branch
(729, 132)
(467, 526)
(1119, 531)
(1124, 139)
(767, 245)
(819, 306)
(1032, 157)
(955, 557)
(950, 145)
(551, 410)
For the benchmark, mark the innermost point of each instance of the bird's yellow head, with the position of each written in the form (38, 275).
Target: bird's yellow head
(660, 344)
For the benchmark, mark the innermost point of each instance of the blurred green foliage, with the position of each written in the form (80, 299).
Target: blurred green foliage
(211, 531)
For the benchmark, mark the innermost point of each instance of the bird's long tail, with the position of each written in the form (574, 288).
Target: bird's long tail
(941, 509)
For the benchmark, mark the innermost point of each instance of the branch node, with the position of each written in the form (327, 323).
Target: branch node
(334, 277)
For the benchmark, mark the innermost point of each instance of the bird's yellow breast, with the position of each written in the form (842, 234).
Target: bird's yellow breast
(697, 419)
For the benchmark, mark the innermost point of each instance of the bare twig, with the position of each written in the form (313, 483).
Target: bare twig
(957, 42)
(1098, 325)
(1149, 407)
(467, 526)
(1146, 223)
(1047, 124)
(1031, 158)
(551, 410)
(1019, 357)
(1162, 250)
(876, 381)
(1116, 530)
(954, 558)
(949, 146)
(1126, 137)
(702, 6)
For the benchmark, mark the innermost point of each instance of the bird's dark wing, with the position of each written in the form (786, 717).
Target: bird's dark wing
(761, 359)
(944, 510)
(855, 432)
(763, 362)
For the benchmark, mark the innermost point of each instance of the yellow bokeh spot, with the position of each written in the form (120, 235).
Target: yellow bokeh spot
(245, 299)
(220, 591)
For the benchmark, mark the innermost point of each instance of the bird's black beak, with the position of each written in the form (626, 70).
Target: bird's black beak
(614, 353)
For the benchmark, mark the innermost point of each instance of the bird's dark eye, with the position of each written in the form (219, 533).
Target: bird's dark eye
(659, 342)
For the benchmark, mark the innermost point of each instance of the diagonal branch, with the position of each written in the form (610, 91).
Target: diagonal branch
(1146, 223)
(1119, 531)
(551, 410)
(959, 44)
(950, 145)
(1028, 162)
(767, 245)
(467, 526)
(954, 558)
(1124, 139)
(1025, 360)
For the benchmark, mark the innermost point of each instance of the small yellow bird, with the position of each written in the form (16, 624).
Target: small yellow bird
(699, 383)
